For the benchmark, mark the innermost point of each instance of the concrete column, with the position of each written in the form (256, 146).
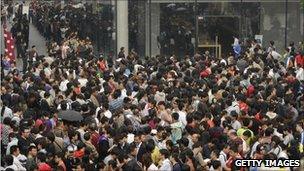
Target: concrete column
(155, 29)
(122, 28)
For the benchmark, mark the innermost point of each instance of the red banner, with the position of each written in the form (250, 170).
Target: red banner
(9, 43)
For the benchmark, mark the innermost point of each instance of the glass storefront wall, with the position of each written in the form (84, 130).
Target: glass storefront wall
(182, 27)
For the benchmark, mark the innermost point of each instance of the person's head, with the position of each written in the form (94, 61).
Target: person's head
(214, 154)
(169, 145)
(59, 157)
(41, 157)
(72, 134)
(117, 94)
(195, 137)
(175, 116)
(113, 164)
(233, 151)
(246, 135)
(175, 158)
(161, 105)
(183, 142)
(133, 149)
(14, 150)
(275, 141)
(233, 115)
(114, 152)
(51, 137)
(164, 153)
(185, 167)
(299, 127)
(87, 136)
(7, 121)
(150, 146)
(216, 164)
(269, 131)
(25, 132)
(147, 160)
(226, 149)
(246, 122)
(32, 151)
(232, 134)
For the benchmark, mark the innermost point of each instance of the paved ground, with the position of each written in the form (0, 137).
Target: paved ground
(35, 39)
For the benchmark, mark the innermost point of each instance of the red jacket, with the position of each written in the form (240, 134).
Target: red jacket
(299, 60)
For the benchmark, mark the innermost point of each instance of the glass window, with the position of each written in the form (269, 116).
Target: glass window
(176, 29)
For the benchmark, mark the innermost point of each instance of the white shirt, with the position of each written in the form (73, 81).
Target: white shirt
(234, 107)
(253, 148)
(7, 112)
(287, 139)
(13, 166)
(108, 114)
(223, 158)
(182, 117)
(82, 81)
(152, 167)
(166, 165)
(130, 138)
(236, 125)
(63, 85)
(107, 159)
(48, 72)
(283, 154)
(10, 144)
(160, 96)
(18, 164)
(81, 132)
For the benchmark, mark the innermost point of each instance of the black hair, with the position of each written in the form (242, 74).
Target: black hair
(9, 160)
(247, 133)
(60, 155)
(51, 136)
(86, 136)
(269, 131)
(216, 164)
(41, 157)
(13, 149)
(175, 116)
(164, 152)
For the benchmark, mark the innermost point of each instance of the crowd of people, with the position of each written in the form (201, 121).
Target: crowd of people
(157, 113)
(54, 23)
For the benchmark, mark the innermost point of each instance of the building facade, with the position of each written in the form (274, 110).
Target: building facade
(182, 27)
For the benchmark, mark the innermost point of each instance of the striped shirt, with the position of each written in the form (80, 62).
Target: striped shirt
(115, 104)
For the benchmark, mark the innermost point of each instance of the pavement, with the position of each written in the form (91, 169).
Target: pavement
(34, 39)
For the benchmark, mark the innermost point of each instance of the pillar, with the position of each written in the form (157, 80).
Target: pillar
(155, 29)
(122, 28)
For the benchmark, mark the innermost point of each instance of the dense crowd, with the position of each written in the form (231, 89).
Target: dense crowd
(54, 23)
(158, 113)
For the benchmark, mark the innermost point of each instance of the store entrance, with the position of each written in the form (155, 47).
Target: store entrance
(215, 33)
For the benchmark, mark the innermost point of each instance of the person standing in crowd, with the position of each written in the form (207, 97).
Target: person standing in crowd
(31, 162)
(23, 141)
(162, 112)
(166, 163)
(16, 154)
(32, 56)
